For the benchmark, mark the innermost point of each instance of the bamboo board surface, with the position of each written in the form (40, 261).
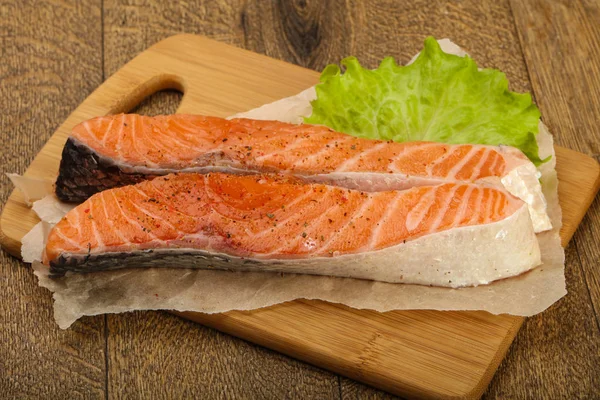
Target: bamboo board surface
(413, 353)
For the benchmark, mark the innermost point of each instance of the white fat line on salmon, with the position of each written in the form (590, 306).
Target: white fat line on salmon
(185, 130)
(271, 136)
(418, 212)
(95, 233)
(498, 203)
(350, 221)
(484, 206)
(199, 241)
(133, 138)
(149, 143)
(68, 240)
(497, 158)
(459, 165)
(120, 135)
(167, 199)
(190, 129)
(477, 208)
(192, 137)
(351, 161)
(298, 142)
(161, 137)
(109, 220)
(382, 221)
(157, 190)
(77, 222)
(68, 217)
(157, 141)
(112, 121)
(134, 141)
(281, 223)
(213, 198)
(406, 151)
(489, 206)
(131, 221)
(306, 233)
(463, 206)
(431, 166)
(444, 209)
(86, 126)
(171, 137)
(151, 215)
(325, 149)
(482, 160)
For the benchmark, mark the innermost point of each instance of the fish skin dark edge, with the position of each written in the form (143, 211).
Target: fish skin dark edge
(152, 258)
(83, 173)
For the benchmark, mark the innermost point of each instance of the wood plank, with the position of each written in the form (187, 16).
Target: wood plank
(556, 354)
(46, 69)
(161, 355)
(132, 27)
(305, 33)
(354, 390)
(204, 360)
(376, 13)
(314, 34)
(562, 49)
(417, 353)
(560, 43)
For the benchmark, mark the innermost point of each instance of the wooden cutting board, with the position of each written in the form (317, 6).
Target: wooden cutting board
(426, 354)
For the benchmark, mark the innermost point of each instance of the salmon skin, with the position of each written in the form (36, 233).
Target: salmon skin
(468, 234)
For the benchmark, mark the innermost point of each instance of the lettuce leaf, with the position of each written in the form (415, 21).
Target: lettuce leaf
(440, 98)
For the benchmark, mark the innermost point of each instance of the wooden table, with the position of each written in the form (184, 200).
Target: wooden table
(55, 53)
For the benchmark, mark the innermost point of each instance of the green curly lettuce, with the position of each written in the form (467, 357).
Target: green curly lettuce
(440, 97)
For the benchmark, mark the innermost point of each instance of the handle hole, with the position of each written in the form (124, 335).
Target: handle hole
(163, 102)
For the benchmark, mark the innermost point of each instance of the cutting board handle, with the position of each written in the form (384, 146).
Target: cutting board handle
(151, 71)
(135, 81)
(127, 88)
(176, 63)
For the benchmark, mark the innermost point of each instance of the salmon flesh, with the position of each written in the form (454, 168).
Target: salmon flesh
(451, 234)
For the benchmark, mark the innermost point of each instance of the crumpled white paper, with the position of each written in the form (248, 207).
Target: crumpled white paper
(33, 189)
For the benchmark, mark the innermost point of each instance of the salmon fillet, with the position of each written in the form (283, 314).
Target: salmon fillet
(122, 149)
(277, 223)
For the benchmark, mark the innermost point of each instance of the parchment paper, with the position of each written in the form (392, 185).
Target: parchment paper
(210, 291)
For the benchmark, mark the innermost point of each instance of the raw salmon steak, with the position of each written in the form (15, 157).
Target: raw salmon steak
(122, 149)
(467, 234)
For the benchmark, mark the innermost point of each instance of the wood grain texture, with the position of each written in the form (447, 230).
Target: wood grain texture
(560, 345)
(313, 34)
(569, 95)
(159, 354)
(130, 27)
(560, 42)
(44, 74)
(55, 72)
(416, 353)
